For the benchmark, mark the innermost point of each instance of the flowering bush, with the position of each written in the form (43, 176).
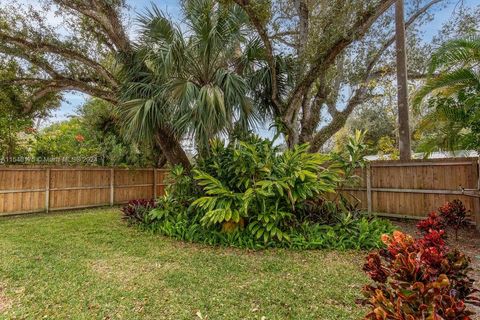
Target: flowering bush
(418, 278)
(138, 210)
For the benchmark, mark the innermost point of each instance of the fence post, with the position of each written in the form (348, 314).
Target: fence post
(47, 190)
(154, 183)
(477, 213)
(112, 187)
(369, 188)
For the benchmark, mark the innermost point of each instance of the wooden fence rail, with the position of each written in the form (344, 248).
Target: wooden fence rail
(393, 188)
(43, 189)
(414, 188)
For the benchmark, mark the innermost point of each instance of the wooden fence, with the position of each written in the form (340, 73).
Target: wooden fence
(414, 188)
(43, 189)
(393, 188)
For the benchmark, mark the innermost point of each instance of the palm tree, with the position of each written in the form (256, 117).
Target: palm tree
(453, 91)
(454, 67)
(188, 82)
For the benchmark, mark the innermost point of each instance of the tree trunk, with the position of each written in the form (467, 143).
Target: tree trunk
(172, 149)
(403, 118)
(161, 161)
(302, 10)
(322, 136)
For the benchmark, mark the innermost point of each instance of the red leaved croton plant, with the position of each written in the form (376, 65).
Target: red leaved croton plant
(419, 278)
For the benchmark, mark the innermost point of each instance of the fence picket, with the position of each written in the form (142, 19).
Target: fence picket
(394, 188)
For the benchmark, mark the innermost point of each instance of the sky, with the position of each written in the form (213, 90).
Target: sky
(73, 100)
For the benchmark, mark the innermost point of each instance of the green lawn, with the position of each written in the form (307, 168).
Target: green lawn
(90, 265)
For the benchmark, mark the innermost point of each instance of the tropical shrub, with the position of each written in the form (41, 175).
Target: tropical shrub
(250, 194)
(352, 158)
(455, 215)
(349, 233)
(179, 194)
(432, 222)
(419, 278)
(357, 234)
(138, 211)
(265, 188)
(349, 161)
(452, 215)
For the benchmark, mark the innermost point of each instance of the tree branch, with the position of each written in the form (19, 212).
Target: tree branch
(34, 60)
(408, 24)
(106, 17)
(338, 119)
(45, 47)
(360, 95)
(47, 86)
(303, 21)
(323, 62)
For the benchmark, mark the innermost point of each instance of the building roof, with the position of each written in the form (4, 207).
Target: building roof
(433, 155)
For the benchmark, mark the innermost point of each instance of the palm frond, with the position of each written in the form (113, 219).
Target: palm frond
(450, 83)
(458, 52)
(188, 80)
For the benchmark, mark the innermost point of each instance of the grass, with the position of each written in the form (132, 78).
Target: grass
(90, 265)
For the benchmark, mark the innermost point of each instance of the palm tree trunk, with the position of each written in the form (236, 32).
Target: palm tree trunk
(172, 148)
(161, 161)
(403, 118)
